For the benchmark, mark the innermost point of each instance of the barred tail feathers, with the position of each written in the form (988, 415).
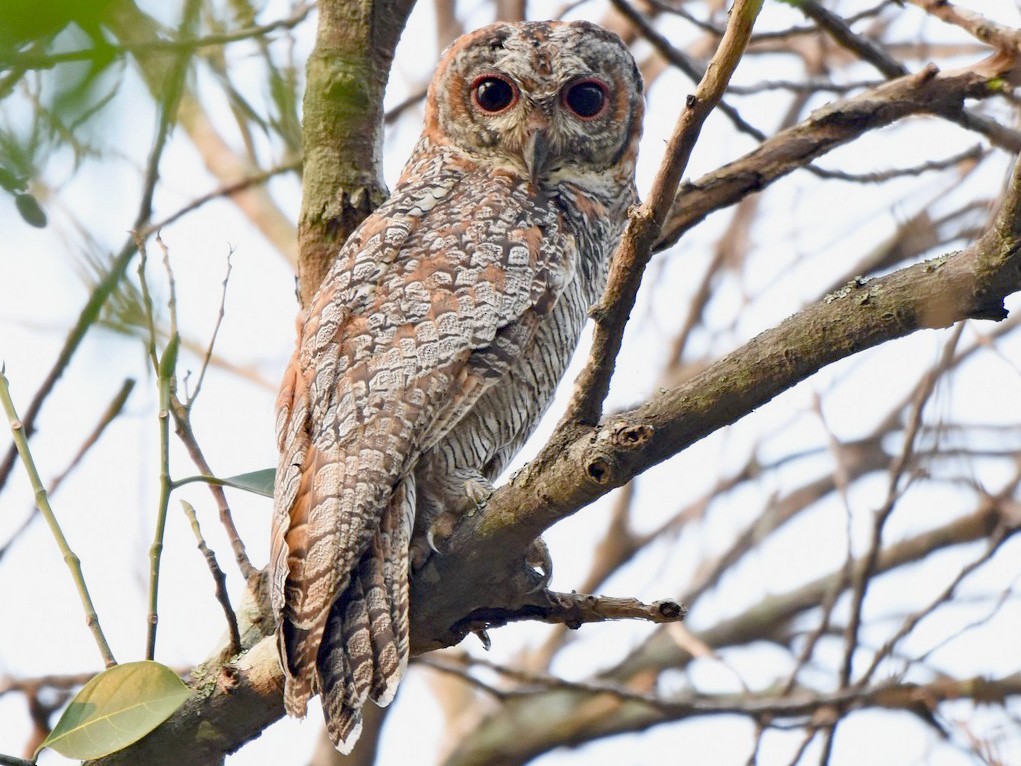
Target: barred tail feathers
(366, 650)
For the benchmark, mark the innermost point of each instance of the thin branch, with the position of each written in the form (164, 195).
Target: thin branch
(183, 429)
(212, 337)
(863, 575)
(861, 46)
(973, 154)
(926, 92)
(165, 378)
(693, 69)
(645, 223)
(43, 503)
(219, 579)
(978, 26)
(187, 45)
(573, 610)
(227, 190)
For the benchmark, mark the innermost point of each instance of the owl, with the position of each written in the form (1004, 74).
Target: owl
(437, 338)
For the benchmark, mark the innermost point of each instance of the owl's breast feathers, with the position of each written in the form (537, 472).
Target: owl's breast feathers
(429, 303)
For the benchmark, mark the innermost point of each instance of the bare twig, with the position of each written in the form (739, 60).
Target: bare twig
(693, 69)
(43, 503)
(227, 190)
(863, 574)
(861, 46)
(978, 26)
(645, 222)
(219, 579)
(973, 154)
(574, 610)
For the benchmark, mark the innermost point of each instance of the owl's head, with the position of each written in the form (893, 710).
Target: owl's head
(549, 100)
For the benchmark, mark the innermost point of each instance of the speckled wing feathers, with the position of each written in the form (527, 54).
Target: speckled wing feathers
(397, 347)
(436, 342)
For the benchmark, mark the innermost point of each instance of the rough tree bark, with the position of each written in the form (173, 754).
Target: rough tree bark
(342, 131)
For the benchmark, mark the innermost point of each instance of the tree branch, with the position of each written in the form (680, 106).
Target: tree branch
(342, 128)
(645, 223)
(927, 92)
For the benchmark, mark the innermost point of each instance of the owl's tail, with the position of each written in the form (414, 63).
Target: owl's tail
(365, 653)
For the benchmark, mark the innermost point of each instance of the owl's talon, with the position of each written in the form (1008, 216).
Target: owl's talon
(483, 636)
(479, 492)
(430, 538)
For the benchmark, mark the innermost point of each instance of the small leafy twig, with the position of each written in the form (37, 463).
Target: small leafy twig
(167, 366)
(90, 313)
(181, 412)
(43, 502)
(219, 578)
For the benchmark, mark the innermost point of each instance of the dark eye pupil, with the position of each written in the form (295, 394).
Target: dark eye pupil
(493, 94)
(585, 99)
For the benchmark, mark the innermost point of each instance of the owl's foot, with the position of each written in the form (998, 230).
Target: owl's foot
(478, 490)
(465, 493)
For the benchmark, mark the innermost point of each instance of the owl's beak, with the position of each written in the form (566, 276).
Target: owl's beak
(537, 147)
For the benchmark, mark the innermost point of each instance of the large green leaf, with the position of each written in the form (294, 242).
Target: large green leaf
(117, 707)
(260, 482)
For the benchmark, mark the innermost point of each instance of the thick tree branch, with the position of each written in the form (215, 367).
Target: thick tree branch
(342, 127)
(928, 92)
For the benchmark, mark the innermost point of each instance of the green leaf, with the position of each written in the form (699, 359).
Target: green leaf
(117, 707)
(168, 362)
(30, 211)
(259, 482)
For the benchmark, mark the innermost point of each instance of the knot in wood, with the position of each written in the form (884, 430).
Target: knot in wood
(599, 470)
(671, 610)
(632, 435)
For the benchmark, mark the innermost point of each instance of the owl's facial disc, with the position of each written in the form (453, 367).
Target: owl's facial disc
(551, 101)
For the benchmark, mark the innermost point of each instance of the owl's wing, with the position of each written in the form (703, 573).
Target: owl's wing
(425, 309)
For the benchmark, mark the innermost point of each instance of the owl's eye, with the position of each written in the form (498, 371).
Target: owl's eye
(493, 94)
(587, 99)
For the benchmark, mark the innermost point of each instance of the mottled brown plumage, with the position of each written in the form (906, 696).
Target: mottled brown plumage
(436, 340)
